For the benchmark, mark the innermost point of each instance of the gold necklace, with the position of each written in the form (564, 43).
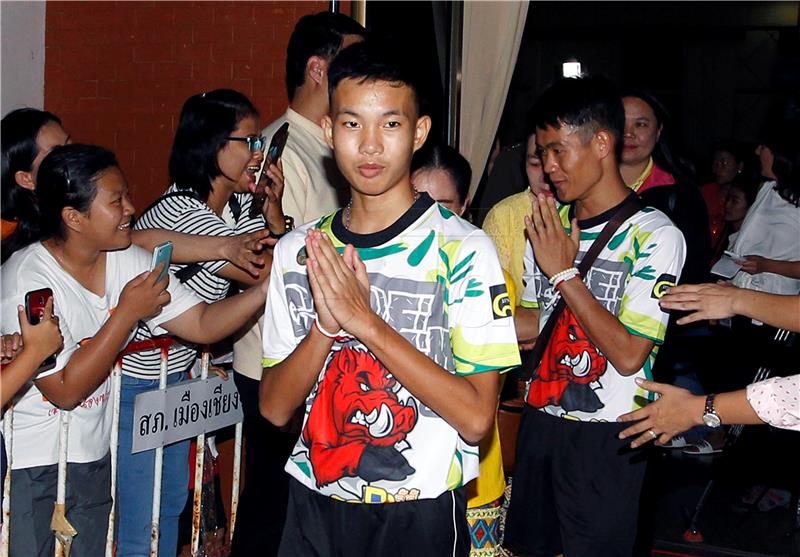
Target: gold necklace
(349, 209)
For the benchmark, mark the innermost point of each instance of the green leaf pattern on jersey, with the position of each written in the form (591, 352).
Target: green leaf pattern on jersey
(470, 358)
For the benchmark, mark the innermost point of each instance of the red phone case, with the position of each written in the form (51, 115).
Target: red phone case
(35, 300)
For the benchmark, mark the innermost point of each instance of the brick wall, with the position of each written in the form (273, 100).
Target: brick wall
(117, 73)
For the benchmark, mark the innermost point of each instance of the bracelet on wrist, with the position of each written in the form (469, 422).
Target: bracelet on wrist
(288, 226)
(563, 276)
(321, 329)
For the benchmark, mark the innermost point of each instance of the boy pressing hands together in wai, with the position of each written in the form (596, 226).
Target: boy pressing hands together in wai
(389, 321)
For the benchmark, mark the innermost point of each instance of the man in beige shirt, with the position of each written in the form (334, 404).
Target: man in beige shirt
(313, 189)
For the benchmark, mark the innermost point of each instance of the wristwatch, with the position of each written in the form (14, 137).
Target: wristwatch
(710, 416)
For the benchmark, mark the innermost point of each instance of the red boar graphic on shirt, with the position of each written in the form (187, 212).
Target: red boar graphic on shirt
(356, 420)
(569, 365)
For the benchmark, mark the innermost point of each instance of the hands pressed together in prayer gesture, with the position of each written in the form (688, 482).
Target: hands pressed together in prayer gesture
(340, 286)
(553, 248)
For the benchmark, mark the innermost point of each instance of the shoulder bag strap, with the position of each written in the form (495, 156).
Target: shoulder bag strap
(629, 208)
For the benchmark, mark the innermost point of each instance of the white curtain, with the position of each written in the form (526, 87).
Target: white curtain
(491, 39)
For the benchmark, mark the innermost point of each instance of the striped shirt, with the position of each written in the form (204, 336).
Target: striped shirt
(181, 211)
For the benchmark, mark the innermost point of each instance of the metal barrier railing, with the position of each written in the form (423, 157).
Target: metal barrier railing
(63, 531)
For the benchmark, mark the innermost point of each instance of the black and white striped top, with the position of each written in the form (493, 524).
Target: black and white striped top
(181, 211)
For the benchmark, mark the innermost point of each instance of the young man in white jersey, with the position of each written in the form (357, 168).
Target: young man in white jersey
(313, 188)
(389, 323)
(576, 485)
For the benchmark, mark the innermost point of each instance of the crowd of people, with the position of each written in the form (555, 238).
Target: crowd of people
(371, 342)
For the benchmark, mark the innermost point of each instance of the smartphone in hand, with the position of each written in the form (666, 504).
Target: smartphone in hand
(273, 153)
(35, 300)
(162, 254)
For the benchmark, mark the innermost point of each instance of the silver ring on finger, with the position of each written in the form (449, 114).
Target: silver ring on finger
(652, 433)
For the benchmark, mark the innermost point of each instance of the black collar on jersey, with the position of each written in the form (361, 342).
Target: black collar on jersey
(605, 216)
(375, 239)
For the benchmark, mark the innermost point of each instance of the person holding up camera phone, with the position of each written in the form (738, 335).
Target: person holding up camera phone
(24, 353)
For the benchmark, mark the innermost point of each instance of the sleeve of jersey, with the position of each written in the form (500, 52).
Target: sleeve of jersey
(529, 299)
(278, 340)
(657, 266)
(482, 333)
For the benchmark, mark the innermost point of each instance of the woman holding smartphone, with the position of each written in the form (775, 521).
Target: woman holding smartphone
(80, 247)
(216, 154)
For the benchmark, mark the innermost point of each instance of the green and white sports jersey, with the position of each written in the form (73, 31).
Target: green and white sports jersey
(643, 258)
(436, 280)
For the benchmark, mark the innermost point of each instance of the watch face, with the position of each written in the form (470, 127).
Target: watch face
(711, 420)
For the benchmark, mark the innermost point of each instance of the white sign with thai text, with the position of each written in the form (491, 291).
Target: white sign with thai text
(184, 410)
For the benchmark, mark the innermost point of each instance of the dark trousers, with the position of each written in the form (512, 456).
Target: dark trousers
(321, 526)
(262, 505)
(576, 489)
(88, 502)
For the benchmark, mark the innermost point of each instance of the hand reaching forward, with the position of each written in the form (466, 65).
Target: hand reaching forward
(553, 249)
(247, 252)
(705, 301)
(339, 284)
(673, 413)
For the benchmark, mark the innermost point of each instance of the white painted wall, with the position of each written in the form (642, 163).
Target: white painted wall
(21, 54)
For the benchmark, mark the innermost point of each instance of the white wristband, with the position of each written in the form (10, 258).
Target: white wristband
(565, 275)
(321, 329)
(557, 277)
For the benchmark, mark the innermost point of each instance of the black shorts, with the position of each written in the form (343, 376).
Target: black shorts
(576, 489)
(323, 527)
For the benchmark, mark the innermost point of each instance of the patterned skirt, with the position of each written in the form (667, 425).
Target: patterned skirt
(484, 532)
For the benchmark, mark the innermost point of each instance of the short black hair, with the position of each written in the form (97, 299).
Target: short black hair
(206, 121)
(316, 35)
(591, 103)
(370, 61)
(439, 156)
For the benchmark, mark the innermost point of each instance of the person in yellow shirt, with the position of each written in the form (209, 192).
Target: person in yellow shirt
(505, 223)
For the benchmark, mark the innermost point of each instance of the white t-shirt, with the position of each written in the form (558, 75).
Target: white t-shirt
(771, 229)
(574, 379)
(81, 315)
(436, 280)
(312, 182)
